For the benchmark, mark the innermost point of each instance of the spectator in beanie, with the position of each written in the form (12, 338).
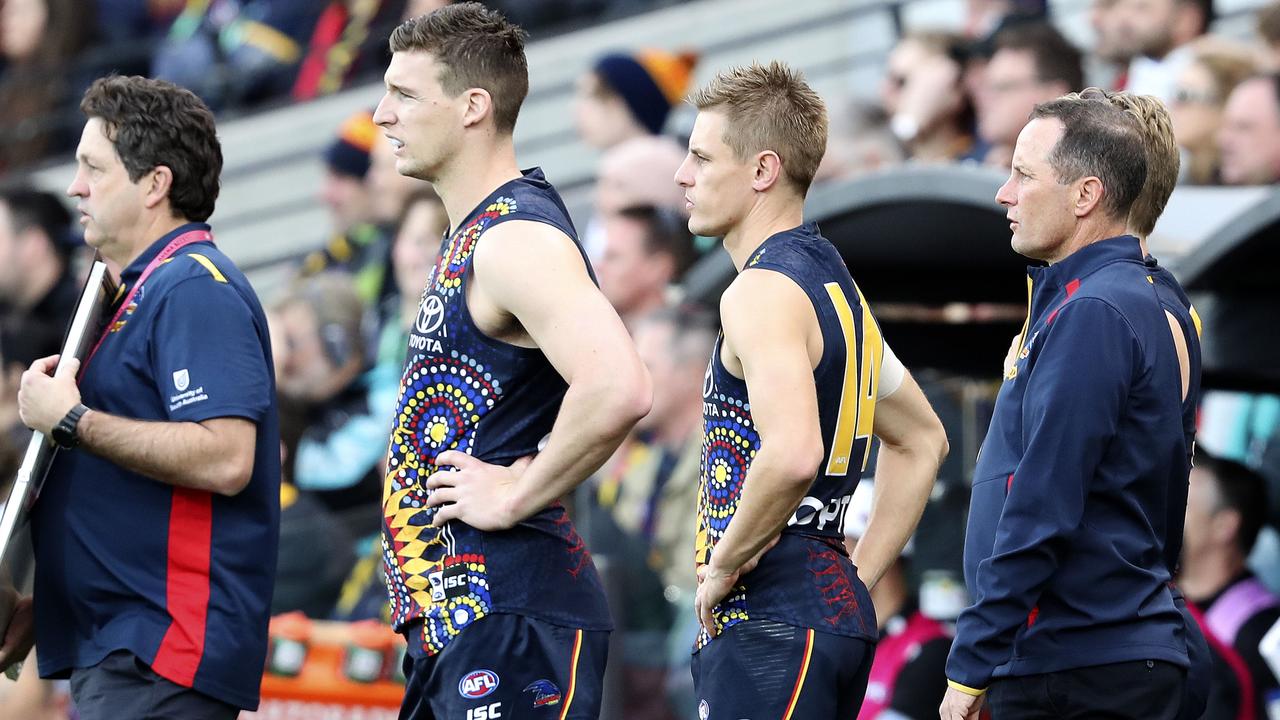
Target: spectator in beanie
(625, 96)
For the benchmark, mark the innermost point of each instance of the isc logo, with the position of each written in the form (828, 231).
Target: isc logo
(485, 712)
(454, 581)
(477, 684)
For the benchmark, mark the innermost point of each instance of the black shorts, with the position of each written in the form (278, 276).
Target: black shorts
(765, 670)
(1147, 689)
(508, 667)
(123, 686)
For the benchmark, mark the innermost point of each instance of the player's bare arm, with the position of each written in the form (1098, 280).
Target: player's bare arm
(1184, 355)
(913, 444)
(531, 288)
(770, 330)
(215, 455)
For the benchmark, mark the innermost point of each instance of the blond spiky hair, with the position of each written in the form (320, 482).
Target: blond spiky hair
(1163, 161)
(770, 107)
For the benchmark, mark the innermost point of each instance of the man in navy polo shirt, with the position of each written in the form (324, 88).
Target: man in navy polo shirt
(156, 532)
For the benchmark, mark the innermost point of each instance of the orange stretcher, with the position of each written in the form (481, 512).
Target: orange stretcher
(320, 670)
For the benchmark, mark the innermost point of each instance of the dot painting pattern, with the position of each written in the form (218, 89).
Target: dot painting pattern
(445, 393)
(729, 444)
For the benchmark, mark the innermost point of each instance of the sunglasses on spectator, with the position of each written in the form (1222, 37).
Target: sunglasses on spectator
(1008, 86)
(1187, 96)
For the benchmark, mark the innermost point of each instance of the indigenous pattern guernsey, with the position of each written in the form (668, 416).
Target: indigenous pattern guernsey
(807, 579)
(462, 390)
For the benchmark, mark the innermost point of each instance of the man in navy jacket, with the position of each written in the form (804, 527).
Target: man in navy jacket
(1070, 514)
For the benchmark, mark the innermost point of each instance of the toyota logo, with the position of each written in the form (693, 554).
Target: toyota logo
(430, 315)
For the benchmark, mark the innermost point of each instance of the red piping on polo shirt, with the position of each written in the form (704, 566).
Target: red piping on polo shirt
(187, 585)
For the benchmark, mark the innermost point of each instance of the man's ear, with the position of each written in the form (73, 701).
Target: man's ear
(156, 185)
(1224, 525)
(1089, 194)
(479, 106)
(768, 171)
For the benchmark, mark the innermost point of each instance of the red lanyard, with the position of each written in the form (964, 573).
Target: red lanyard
(176, 244)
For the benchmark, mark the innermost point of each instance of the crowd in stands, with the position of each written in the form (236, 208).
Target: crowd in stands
(339, 332)
(235, 54)
(952, 96)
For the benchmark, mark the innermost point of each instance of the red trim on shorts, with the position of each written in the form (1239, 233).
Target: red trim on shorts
(573, 674)
(804, 672)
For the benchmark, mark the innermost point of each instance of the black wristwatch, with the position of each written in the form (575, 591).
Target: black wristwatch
(64, 433)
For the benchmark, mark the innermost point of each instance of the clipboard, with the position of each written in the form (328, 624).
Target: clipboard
(19, 493)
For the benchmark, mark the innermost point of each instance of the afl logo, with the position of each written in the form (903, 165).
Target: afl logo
(477, 684)
(708, 380)
(430, 315)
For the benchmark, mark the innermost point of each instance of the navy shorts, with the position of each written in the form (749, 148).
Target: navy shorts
(508, 667)
(765, 670)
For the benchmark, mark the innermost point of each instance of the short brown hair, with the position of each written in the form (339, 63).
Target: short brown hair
(666, 232)
(1239, 488)
(939, 42)
(44, 211)
(770, 107)
(340, 313)
(1055, 58)
(1163, 160)
(1099, 140)
(425, 193)
(476, 48)
(154, 123)
(693, 330)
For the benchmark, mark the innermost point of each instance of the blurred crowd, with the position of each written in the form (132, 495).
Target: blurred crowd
(235, 54)
(950, 96)
(339, 331)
